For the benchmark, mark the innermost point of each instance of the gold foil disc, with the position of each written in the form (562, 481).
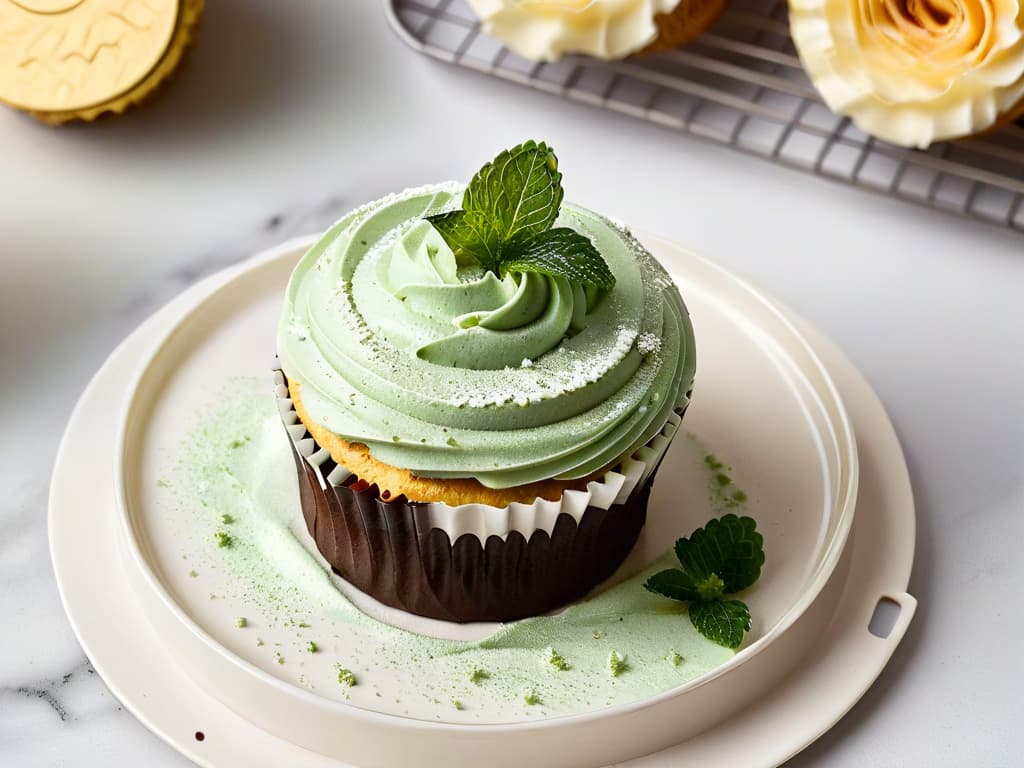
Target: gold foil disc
(65, 56)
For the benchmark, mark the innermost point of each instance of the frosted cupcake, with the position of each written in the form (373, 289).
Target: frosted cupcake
(544, 30)
(480, 383)
(915, 73)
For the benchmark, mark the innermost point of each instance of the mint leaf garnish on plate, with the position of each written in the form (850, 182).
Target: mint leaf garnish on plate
(673, 583)
(722, 621)
(722, 558)
(505, 224)
(729, 547)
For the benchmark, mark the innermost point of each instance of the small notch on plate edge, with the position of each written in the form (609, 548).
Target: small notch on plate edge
(887, 613)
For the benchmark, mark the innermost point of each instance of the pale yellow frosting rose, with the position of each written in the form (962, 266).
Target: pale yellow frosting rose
(913, 72)
(544, 30)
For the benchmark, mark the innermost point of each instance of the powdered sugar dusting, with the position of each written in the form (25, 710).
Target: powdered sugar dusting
(648, 343)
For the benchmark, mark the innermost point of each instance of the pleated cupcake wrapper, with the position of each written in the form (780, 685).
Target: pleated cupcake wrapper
(483, 520)
(471, 562)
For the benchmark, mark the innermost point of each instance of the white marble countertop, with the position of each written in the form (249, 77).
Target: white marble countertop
(289, 113)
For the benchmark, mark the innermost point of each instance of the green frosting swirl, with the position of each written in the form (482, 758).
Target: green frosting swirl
(451, 372)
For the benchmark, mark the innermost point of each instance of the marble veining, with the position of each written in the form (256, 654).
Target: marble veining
(49, 692)
(53, 692)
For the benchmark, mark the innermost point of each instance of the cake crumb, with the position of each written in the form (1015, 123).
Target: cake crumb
(346, 676)
(558, 661)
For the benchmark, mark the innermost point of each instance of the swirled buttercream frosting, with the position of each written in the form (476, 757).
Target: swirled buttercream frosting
(544, 30)
(914, 71)
(452, 372)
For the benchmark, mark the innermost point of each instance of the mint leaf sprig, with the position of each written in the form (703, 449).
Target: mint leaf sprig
(505, 225)
(720, 559)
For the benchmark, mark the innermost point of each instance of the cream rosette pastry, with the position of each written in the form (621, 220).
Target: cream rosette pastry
(479, 383)
(544, 30)
(915, 72)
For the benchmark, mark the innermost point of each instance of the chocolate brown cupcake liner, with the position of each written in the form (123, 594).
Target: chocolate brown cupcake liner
(471, 562)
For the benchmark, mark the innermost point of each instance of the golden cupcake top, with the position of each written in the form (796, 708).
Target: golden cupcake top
(61, 59)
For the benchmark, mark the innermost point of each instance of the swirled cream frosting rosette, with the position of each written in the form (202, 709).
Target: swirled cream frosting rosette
(913, 72)
(544, 30)
(479, 383)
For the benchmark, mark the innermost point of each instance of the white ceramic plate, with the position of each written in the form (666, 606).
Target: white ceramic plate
(814, 557)
(763, 402)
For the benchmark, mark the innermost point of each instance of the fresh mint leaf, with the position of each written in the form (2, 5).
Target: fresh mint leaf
(471, 237)
(519, 192)
(729, 547)
(560, 252)
(672, 583)
(506, 220)
(722, 558)
(721, 621)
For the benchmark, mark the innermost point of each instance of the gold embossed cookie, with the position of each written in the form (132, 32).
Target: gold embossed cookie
(64, 60)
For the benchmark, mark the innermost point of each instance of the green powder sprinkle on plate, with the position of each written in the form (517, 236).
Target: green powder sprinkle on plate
(312, 647)
(254, 487)
(617, 664)
(558, 661)
(531, 698)
(675, 659)
(241, 622)
(712, 462)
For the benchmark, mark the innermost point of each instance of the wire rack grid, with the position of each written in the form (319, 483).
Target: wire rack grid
(741, 84)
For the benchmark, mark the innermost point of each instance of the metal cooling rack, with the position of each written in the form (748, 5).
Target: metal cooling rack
(741, 84)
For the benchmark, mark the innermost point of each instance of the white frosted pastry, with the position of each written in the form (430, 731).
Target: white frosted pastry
(544, 30)
(913, 72)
